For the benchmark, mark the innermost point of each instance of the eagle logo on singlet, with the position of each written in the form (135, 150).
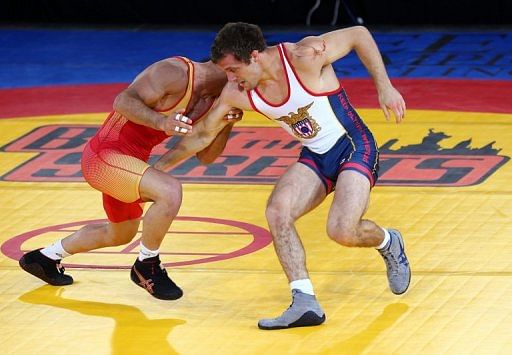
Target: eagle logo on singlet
(301, 123)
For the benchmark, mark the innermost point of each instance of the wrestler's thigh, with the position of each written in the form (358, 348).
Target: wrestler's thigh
(115, 174)
(298, 191)
(351, 197)
(156, 185)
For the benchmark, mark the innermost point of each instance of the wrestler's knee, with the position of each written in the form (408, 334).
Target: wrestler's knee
(170, 194)
(277, 214)
(342, 233)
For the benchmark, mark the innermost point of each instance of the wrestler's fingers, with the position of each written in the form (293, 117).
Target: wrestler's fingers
(180, 117)
(399, 113)
(184, 125)
(233, 116)
(177, 126)
(402, 113)
(385, 110)
(178, 129)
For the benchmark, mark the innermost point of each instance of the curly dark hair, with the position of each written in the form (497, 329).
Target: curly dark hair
(239, 39)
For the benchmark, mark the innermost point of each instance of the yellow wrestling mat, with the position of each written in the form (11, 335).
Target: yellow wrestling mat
(445, 184)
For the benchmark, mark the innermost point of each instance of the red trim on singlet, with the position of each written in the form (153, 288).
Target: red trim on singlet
(335, 91)
(186, 89)
(328, 183)
(361, 168)
(254, 106)
(308, 162)
(287, 83)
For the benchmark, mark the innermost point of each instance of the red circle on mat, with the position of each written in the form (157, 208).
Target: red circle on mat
(260, 239)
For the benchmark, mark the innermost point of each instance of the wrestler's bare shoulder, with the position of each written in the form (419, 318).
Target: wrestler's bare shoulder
(171, 74)
(306, 52)
(235, 96)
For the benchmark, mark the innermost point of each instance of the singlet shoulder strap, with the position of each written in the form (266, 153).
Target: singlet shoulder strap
(294, 78)
(188, 93)
(284, 57)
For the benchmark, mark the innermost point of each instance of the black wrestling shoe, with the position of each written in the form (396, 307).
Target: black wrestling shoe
(48, 270)
(152, 277)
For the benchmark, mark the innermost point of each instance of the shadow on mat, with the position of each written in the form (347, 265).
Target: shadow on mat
(359, 342)
(133, 331)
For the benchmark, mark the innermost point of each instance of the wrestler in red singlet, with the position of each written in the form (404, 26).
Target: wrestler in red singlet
(115, 159)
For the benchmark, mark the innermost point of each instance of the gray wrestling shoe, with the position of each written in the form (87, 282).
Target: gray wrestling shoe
(398, 270)
(305, 311)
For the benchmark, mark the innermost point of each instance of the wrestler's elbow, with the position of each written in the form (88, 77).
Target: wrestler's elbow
(205, 157)
(360, 28)
(124, 100)
(120, 102)
(361, 35)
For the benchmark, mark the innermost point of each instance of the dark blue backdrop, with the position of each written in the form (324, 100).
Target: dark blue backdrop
(41, 57)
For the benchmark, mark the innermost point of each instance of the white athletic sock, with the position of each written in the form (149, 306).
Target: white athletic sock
(304, 285)
(386, 240)
(55, 251)
(145, 253)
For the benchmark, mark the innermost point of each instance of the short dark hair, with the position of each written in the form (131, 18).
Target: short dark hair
(238, 39)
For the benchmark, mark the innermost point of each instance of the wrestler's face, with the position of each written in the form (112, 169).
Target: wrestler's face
(246, 75)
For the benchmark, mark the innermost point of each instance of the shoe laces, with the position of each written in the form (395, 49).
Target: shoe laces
(402, 259)
(294, 293)
(391, 260)
(158, 271)
(161, 272)
(60, 268)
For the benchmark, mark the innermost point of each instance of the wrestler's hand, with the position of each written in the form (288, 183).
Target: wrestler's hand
(234, 115)
(176, 124)
(390, 99)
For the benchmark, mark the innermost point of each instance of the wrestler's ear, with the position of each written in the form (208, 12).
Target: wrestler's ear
(255, 55)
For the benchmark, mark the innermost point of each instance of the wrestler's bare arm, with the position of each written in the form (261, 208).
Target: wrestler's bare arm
(212, 151)
(206, 130)
(331, 46)
(204, 133)
(161, 79)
